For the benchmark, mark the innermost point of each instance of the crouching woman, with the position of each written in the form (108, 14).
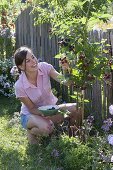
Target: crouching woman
(33, 89)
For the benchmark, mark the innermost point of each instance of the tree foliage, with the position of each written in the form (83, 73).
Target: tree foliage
(71, 21)
(9, 10)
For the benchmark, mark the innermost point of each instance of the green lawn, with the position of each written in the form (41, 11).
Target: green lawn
(15, 152)
(55, 153)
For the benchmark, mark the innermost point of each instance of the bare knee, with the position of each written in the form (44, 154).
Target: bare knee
(34, 131)
(39, 125)
(38, 132)
(68, 106)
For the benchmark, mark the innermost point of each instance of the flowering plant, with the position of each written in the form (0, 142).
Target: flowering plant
(6, 79)
(105, 142)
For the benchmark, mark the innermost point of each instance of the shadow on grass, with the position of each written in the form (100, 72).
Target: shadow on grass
(13, 160)
(36, 155)
(9, 105)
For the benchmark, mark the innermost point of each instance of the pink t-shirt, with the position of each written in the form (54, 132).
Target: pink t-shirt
(40, 95)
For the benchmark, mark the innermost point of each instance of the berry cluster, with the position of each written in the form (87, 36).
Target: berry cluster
(65, 42)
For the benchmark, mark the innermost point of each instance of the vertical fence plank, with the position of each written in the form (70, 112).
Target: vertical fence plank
(97, 101)
(38, 42)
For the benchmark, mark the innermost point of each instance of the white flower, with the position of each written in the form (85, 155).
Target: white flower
(1, 78)
(112, 158)
(14, 70)
(6, 85)
(110, 139)
(111, 109)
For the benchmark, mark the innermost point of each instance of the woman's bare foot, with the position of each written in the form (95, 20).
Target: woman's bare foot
(33, 139)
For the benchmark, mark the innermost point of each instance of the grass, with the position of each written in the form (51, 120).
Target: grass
(15, 152)
(54, 153)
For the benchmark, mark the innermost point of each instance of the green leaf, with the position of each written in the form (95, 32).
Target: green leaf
(86, 101)
(75, 72)
(105, 51)
(105, 16)
(58, 55)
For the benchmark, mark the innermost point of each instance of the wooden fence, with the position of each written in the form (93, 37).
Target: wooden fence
(36, 37)
(46, 47)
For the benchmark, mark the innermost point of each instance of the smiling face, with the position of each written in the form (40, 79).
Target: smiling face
(30, 64)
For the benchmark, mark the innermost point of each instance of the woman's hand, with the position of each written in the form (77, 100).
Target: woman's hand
(39, 113)
(45, 123)
(64, 63)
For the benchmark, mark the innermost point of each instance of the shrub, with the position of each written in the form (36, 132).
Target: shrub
(69, 154)
(78, 158)
(7, 42)
(6, 79)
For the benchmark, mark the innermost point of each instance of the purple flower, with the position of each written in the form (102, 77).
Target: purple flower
(107, 124)
(59, 168)
(55, 153)
(103, 157)
(90, 119)
(110, 139)
(105, 128)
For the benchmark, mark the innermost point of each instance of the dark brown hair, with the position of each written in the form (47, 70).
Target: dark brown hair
(20, 55)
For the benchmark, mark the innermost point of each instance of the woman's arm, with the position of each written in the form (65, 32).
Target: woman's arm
(59, 77)
(30, 105)
(55, 75)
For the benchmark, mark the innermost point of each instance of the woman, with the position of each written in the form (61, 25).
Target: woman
(33, 89)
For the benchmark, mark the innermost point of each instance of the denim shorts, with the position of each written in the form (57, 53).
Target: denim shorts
(24, 120)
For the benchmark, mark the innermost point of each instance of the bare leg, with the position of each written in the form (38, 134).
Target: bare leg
(56, 119)
(75, 113)
(37, 126)
(68, 106)
(76, 117)
(59, 118)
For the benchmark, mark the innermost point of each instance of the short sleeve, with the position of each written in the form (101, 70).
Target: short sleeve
(19, 91)
(46, 67)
